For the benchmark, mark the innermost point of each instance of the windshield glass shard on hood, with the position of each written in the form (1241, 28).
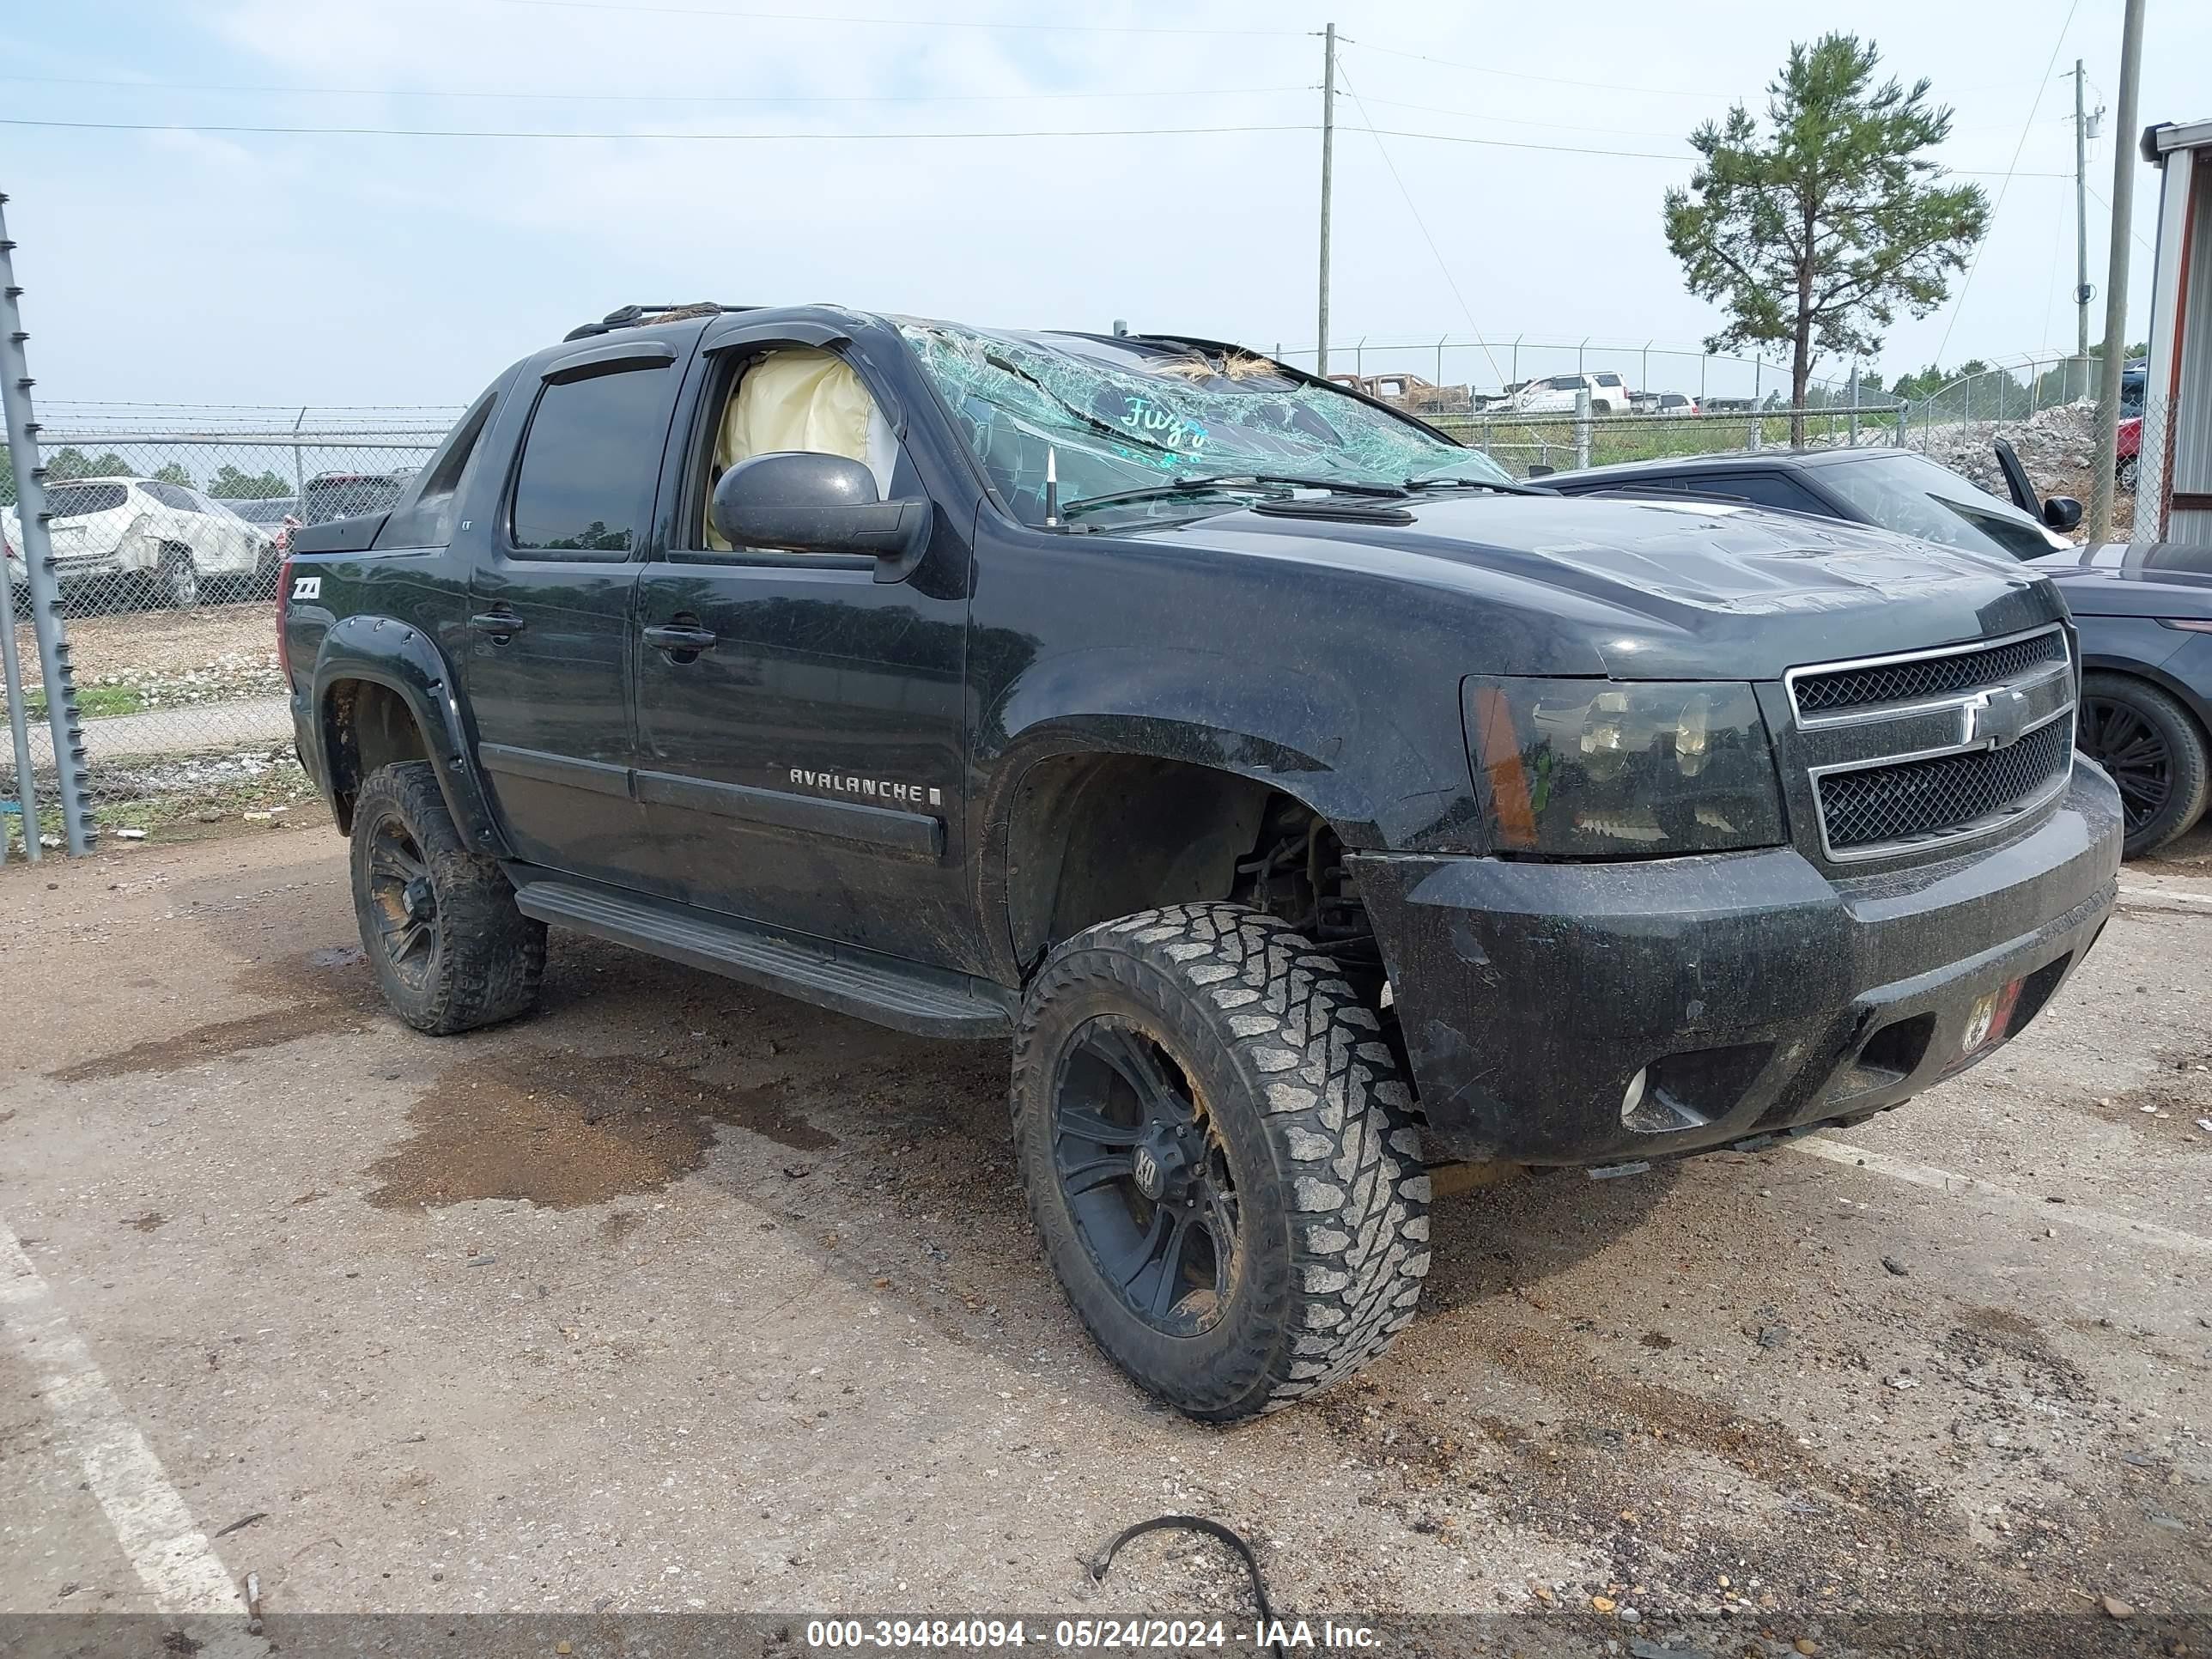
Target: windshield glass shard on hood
(1135, 418)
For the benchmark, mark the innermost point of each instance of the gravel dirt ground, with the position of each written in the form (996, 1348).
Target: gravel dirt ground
(680, 1296)
(215, 647)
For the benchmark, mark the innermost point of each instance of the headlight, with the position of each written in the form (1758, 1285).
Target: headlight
(1598, 769)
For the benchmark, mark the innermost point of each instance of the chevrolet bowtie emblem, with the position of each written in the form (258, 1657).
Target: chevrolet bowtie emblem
(1995, 717)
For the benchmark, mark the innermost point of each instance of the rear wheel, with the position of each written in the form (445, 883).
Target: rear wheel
(262, 585)
(2129, 469)
(2155, 752)
(450, 948)
(177, 578)
(1220, 1157)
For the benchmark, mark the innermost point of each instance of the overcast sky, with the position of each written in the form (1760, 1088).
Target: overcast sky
(194, 266)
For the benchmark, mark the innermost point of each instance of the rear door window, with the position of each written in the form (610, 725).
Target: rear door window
(83, 501)
(589, 464)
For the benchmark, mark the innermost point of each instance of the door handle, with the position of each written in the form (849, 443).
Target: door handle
(500, 624)
(680, 640)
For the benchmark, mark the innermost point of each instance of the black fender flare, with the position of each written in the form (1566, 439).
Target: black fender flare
(399, 655)
(1377, 786)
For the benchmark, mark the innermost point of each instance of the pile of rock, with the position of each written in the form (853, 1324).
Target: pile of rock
(2055, 444)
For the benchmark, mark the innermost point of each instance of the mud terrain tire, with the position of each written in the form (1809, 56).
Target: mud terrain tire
(449, 948)
(1308, 1130)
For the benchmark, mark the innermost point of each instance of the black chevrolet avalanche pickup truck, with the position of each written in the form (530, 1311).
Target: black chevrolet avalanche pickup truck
(1307, 805)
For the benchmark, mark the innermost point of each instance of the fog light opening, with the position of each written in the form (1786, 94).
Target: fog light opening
(1634, 1096)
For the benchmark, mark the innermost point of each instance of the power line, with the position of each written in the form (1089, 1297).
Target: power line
(1602, 86)
(661, 97)
(1413, 207)
(707, 138)
(1518, 75)
(888, 22)
(1975, 263)
(1506, 120)
(1634, 155)
(2141, 241)
(303, 131)
(1577, 126)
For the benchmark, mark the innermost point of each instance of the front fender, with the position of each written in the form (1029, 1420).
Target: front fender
(1388, 770)
(1386, 775)
(385, 651)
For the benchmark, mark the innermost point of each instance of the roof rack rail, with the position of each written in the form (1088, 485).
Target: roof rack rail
(634, 316)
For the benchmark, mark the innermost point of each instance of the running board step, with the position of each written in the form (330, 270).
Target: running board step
(927, 1002)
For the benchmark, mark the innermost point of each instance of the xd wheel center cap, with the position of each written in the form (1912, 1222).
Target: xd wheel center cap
(1159, 1164)
(1151, 1181)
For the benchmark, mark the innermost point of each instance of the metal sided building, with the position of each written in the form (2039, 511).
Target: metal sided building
(2173, 499)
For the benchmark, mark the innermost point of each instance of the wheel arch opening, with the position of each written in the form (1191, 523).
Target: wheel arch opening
(1095, 837)
(366, 725)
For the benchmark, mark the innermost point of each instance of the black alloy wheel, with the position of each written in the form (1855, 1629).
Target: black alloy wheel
(405, 903)
(1145, 1177)
(2154, 749)
(449, 945)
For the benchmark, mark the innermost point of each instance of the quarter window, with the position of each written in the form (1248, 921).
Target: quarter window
(589, 466)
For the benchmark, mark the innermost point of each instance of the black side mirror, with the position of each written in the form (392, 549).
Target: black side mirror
(2061, 513)
(2015, 477)
(803, 501)
(1541, 471)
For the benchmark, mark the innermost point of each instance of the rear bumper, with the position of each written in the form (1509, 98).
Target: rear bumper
(1754, 993)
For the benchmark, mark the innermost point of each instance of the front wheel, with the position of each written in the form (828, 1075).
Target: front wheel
(2128, 472)
(1220, 1154)
(450, 948)
(2155, 752)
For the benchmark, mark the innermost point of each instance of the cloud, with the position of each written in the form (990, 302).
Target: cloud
(393, 269)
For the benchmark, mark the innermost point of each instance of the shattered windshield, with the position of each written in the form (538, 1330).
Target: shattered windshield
(1141, 415)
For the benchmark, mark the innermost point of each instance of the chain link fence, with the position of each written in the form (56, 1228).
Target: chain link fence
(1448, 375)
(1524, 443)
(169, 525)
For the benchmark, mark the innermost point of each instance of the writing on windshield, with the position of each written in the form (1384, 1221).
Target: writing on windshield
(1120, 414)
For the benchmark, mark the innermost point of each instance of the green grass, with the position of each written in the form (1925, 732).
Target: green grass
(93, 702)
(1518, 443)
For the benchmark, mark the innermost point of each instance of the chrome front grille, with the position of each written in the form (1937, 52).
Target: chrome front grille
(1914, 679)
(1926, 748)
(1887, 806)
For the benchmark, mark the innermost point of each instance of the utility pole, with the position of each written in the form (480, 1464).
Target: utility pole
(2080, 377)
(2124, 163)
(1327, 180)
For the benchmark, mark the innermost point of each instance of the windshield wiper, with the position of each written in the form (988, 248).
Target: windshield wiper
(1502, 486)
(1225, 481)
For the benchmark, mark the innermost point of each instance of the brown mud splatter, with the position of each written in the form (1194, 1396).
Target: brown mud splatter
(319, 992)
(566, 1130)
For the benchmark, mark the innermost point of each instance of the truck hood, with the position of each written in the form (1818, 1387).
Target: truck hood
(1654, 590)
(2143, 579)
